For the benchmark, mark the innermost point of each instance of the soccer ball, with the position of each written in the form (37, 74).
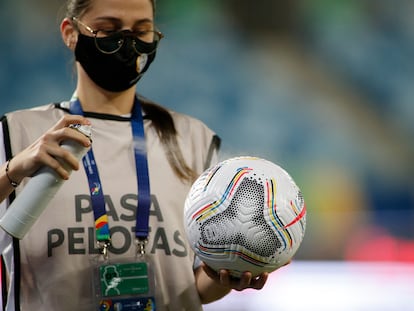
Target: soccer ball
(245, 214)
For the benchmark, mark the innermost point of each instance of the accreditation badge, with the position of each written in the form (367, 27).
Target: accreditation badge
(126, 286)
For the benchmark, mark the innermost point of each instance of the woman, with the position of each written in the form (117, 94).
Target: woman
(92, 227)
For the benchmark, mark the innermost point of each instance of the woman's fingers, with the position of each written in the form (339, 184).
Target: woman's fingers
(61, 131)
(69, 119)
(245, 281)
(47, 150)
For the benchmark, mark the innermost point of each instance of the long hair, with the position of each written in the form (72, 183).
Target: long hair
(163, 123)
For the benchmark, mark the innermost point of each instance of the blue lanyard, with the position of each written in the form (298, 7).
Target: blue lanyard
(95, 185)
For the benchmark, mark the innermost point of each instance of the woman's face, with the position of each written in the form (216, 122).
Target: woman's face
(116, 42)
(115, 15)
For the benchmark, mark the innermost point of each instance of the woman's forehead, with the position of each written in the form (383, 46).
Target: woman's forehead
(127, 11)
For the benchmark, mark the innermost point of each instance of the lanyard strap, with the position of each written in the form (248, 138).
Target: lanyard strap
(141, 165)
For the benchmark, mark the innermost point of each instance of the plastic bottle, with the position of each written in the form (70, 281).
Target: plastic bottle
(41, 188)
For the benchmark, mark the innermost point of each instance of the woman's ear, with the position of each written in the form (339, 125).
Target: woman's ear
(69, 33)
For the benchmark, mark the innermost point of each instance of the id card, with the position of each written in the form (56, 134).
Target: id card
(126, 286)
(124, 279)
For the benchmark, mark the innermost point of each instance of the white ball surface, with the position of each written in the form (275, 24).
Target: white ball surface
(245, 214)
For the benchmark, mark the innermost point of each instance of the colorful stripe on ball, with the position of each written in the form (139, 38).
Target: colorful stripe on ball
(209, 209)
(277, 223)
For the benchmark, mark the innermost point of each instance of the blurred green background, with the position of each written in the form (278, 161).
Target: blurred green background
(323, 87)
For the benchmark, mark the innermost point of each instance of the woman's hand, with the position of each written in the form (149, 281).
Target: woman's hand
(245, 281)
(46, 150)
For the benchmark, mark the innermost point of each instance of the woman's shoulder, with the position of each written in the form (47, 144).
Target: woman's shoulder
(185, 122)
(182, 122)
(38, 118)
(40, 111)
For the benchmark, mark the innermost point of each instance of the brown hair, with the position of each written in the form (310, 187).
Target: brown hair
(76, 8)
(160, 117)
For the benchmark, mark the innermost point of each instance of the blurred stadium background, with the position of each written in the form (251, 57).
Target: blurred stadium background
(323, 87)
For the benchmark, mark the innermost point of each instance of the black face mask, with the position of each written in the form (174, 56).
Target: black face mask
(118, 71)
